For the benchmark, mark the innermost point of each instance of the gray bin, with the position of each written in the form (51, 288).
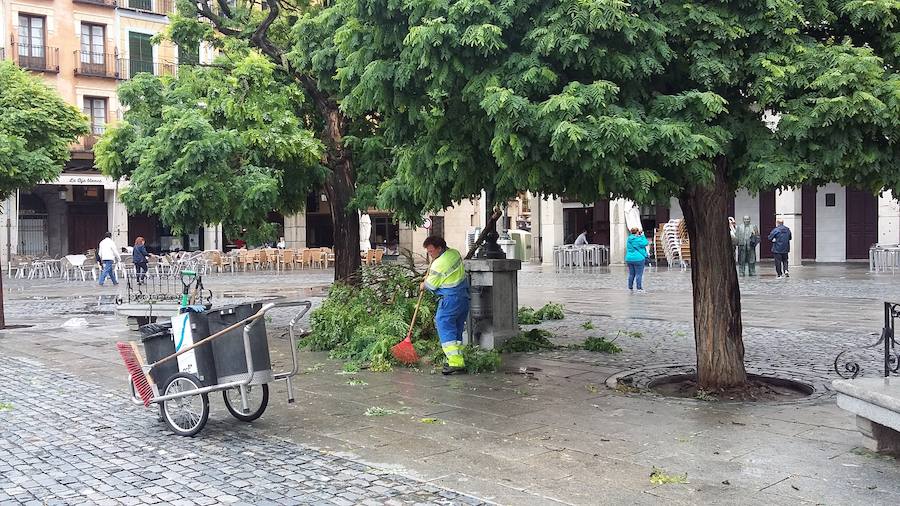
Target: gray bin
(228, 349)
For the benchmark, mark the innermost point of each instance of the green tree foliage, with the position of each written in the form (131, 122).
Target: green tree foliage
(302, 49)
(216, 144)
(37, 129)
(646, 99)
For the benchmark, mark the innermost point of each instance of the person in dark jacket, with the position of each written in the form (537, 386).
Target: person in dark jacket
(635, 256)
(781, 246)
(140, 256)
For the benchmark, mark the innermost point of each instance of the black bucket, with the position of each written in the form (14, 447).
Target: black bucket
(231, 361)
(158, 344)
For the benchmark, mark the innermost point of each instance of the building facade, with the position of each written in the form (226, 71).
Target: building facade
(85, 49)
(830, 223)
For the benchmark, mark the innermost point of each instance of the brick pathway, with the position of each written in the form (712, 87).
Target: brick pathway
(65, 441)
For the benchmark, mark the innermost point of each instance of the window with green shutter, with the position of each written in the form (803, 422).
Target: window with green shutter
(140, 53)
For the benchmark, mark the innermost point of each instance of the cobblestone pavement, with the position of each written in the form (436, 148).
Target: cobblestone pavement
(65, 441)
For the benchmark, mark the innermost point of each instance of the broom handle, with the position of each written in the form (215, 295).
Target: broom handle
(416, 312)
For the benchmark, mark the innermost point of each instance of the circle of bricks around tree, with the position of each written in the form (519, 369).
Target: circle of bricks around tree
(644, 378)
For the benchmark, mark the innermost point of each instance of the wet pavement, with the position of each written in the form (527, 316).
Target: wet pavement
(557, 434)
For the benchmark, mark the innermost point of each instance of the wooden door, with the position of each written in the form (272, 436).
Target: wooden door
(600, 228)
(766, 222)
(808, 222)
(87, 225)
(862, 223)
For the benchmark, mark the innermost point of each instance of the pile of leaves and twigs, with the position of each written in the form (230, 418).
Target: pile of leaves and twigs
(359, 324)
(531, 316)
(532, 340)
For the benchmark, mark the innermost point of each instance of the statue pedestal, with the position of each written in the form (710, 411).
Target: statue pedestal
(493, 313)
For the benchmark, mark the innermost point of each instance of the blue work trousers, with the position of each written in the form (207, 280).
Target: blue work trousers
(450, 318)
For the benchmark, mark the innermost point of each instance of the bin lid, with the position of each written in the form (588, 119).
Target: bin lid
(167, 333)
(155, 328)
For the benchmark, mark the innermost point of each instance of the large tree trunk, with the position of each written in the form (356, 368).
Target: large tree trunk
(717, 296)
(339, 188)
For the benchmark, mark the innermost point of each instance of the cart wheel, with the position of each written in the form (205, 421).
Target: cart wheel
(186, 415)
(257, 400)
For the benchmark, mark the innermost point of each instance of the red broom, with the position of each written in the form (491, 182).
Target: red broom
(404, 351)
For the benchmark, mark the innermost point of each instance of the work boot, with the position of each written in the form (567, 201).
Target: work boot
(447, 370)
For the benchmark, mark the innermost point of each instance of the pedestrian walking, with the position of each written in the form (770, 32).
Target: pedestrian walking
(446, 278)
(140, 256)
(108, 255)
(781, 246)
(636, 257)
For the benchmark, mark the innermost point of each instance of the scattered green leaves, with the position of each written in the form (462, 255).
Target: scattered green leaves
(587, 325)
(601, 344)
(379, 411)
(532, 340)
(551, 311)
(592, 388)
(356, 382)
(703, 395)
(6, 406)
(660, 477)
(432, 421)
(530, 316)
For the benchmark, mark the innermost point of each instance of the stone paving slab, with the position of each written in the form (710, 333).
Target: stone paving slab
(66, 441)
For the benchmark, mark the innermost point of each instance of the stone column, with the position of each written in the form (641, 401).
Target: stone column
(789, 207)
(888, 219)
(117, 218)
(9, 236)
(618, 230)
(212, 237)
(551, 228)
(536, 204)
(295, 230)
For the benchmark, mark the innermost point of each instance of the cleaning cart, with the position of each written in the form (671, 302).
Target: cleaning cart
(180, 382)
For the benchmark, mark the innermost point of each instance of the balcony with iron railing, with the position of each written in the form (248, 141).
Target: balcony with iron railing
(97, 64)
(130, 68)
(161, 7)
(101, 3)
(86, 143)
(37, 58)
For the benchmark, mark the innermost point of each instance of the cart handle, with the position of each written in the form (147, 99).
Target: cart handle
(259, 314)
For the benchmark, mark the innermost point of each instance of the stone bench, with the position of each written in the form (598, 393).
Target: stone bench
(876, 404)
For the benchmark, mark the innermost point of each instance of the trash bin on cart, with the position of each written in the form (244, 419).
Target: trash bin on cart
(228, 350)
(188, 328)
(158, 344)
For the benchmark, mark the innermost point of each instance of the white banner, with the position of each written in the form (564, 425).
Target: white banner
(89, 180)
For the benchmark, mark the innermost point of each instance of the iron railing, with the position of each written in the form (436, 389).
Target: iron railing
(102, 3)
(37, 58)
(161, 7)
(130, 68)
(96, 64)
(848, 368)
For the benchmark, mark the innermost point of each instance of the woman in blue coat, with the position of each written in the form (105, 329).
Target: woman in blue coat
(635, 257)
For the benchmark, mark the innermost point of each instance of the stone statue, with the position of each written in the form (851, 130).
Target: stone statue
(745, 238)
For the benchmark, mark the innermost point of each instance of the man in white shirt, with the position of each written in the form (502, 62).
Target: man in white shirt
(109, 255)
(582, 239)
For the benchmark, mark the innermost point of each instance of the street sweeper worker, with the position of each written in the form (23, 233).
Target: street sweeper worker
(446, 278)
